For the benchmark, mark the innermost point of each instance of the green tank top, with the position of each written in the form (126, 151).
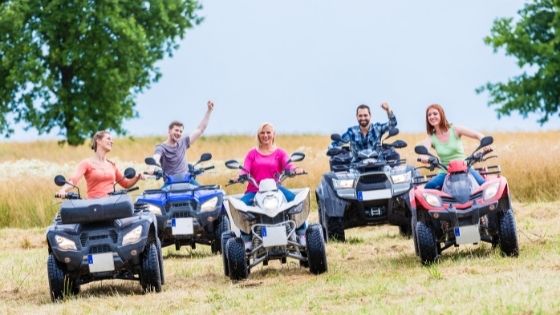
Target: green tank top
(450, 150)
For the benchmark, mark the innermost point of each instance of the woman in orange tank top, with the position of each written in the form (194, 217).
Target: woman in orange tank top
(99, 172)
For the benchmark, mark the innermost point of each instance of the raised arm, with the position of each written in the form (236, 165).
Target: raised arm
(195, 134)
(78, 174)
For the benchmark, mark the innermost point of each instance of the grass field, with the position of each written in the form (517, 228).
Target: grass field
(375, 271)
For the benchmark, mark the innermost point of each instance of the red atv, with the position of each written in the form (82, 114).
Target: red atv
(463, 212)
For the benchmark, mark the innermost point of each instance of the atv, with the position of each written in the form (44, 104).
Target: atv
(369, 187)
(275, 228)
(103, 238)
(463, 212)
(187, 213)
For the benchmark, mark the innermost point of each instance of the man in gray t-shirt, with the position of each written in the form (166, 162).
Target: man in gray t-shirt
(172, 153)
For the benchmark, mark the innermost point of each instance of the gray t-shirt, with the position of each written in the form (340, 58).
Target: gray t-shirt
(173, 158)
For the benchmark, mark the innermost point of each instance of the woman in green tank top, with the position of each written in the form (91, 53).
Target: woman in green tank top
(445, 139)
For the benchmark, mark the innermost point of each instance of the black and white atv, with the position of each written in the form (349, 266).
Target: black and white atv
(369, 187)
(269, 228)
(104, 238)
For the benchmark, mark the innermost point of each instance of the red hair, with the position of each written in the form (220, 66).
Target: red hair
(443, 123)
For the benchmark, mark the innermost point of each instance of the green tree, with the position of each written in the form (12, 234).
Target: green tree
(534, 40)
(75, 66)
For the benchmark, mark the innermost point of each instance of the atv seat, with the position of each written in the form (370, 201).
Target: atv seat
(94, 210)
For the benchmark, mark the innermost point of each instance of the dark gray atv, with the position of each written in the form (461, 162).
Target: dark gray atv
(368, 187)
(104, 238)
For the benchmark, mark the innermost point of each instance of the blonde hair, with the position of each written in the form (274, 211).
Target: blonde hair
(261, 127)
(98, 136)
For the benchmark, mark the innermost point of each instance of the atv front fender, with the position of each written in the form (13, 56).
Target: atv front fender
(329, 201)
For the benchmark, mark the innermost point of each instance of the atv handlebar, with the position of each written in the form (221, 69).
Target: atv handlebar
(68, 195)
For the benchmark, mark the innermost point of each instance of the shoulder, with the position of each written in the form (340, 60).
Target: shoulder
(280, 152)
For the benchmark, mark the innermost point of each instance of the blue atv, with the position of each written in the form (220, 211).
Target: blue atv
(187, 213)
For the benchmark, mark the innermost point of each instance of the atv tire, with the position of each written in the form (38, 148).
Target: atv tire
(316, 253)
(508, 234)
(223, 240)
(427, 245)
(237, 263)
(150, 277)
(223, 226)
(160, 259)
(405, 230)
(335, 229)
(60, 284)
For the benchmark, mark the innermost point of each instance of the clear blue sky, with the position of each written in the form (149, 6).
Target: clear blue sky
(305, 65)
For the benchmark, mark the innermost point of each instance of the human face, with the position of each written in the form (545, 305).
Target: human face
(363, 117)
(434, 117)
(266, 136)
(105, 143)
(175, 134)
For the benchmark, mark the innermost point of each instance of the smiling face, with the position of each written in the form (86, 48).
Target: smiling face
(363, 117)
(175, 134)
(103, 142)
(266, 135)
(435, 119)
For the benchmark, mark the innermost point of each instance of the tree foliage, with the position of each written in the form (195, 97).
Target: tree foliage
(75, 66)
(534, 41)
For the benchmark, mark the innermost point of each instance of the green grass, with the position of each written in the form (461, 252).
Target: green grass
(375, 272)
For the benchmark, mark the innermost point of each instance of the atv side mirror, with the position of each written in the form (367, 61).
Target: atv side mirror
(233, 164)
(393, 132)
(297, 156)
(336, 137)
(399, 144)
(333, 151)
(150, 161)
(205, 157)
(486, 141)
(59, 180)
(129, 172)
(420, 149)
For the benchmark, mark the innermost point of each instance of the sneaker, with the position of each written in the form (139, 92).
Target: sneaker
(248, 245)
(302, 240)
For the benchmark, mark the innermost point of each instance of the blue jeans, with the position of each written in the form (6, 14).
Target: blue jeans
(437, 181)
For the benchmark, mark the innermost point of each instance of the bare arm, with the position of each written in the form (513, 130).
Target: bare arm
(462, 131)
(203, 124)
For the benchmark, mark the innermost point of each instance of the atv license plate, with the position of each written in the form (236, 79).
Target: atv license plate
(467, 234)
(274, 236)
(182, 226)
(374, 194)
(101, 262)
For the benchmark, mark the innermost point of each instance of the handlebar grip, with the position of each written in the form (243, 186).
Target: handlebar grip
(209, 167)
(419, 160)
(133, 188)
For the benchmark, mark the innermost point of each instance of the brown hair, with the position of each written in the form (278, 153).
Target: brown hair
(175, 123)
(363, 106)
(443, 123)
(261, 127)
(97, 136)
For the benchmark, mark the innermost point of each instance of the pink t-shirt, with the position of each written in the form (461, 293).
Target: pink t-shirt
(261, 166)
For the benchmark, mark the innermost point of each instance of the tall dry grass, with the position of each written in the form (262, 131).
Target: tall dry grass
(528, 159)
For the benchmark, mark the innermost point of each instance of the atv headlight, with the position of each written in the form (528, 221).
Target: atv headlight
(154, 209)
(132, 236)
(343, 183)
(401, 178)
(432, 200)
(491, 191)
(65, 243)
(209, 204)
(270, 203)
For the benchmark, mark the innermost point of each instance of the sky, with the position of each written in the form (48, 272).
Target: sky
(304, 66)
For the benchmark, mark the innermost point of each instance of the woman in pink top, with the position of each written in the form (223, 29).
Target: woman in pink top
(267, 161)
(100, 173)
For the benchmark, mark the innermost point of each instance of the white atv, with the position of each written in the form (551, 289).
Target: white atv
(270, 227)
